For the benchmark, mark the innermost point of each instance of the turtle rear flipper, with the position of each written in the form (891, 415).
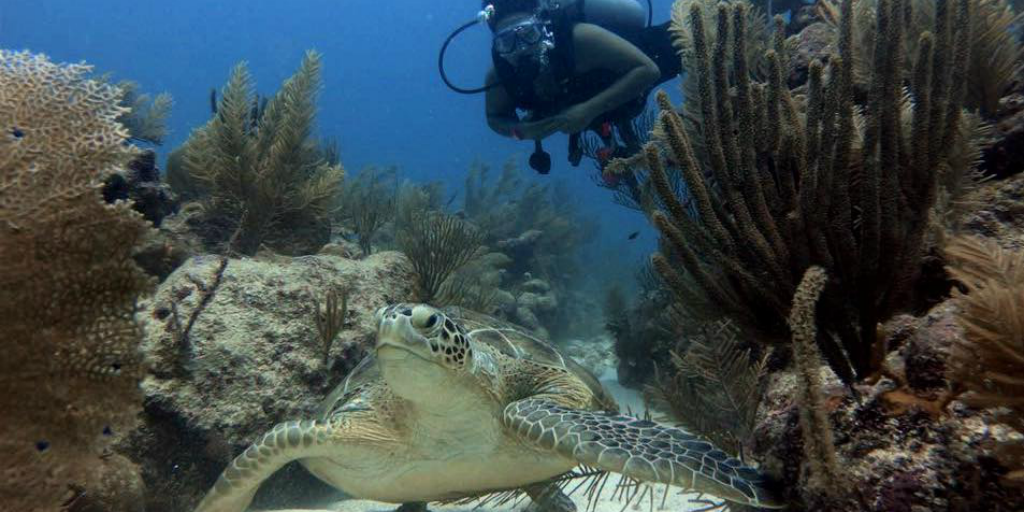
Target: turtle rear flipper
(639, 449)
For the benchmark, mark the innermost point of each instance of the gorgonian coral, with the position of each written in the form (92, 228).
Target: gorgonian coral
(70, 368)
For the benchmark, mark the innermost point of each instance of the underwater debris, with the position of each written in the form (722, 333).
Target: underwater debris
(261, 178)
(71, 364)
(762, 215)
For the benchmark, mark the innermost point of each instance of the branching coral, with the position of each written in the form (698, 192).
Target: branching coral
(146, 119)
(714, 388)
(330, 319)
(70, 369)
(998, 60)
(508, 210)
(265, 180)
(989, 361)
(368, 202)
(781, 190)
(437, 245)
(987, 364)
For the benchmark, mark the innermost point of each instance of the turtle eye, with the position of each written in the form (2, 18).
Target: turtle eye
(423, 317)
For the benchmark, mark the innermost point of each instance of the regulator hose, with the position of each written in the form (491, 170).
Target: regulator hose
(440, 62)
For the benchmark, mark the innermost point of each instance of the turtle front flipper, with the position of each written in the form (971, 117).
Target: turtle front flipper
(288, 441)
(639, 449)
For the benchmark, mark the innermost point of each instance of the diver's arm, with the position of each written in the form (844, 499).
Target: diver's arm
(597, 48)
(500, 108)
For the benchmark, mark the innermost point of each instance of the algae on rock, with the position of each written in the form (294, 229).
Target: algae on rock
(263, 179)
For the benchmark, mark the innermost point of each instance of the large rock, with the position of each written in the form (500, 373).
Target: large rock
(814, 42)
(251, 359)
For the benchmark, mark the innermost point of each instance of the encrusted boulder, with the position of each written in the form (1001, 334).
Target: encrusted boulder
(233, 349)
(815, 42)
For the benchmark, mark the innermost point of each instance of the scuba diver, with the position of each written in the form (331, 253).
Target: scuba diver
(571, 66)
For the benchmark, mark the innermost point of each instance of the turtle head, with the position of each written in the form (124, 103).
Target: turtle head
(418, 348)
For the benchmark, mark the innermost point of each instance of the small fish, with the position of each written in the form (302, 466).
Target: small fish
(633, 235)
(452, 199)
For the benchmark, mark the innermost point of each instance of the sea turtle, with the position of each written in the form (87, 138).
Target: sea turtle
(454, 404)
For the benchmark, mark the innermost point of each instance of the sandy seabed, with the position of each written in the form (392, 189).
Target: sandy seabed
(628, 400)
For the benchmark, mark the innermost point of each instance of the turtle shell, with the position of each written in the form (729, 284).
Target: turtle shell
(509, 339)
(516, 342)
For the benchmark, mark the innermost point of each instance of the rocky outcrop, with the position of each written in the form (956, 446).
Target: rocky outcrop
(234, 350)
(899, 450)
(1005, 156)
(816, 41)
(1000, 211)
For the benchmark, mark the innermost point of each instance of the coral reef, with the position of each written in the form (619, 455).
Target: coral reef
(438, 244)
(540, 232)
(986, 365)
(644, 331)
(1002, 158)
(71, 366)
(895, 449)
(367, 203)
(146, 117)
(140, 184)
(714, 387)
(252, 358)
(263, 179)
(821, 477)
(760, 217)
(999, 55)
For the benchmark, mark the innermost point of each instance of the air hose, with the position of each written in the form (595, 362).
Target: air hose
(481, 17)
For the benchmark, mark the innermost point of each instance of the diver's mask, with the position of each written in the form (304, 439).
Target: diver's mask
(529, 38)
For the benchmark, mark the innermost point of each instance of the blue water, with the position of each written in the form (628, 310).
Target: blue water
(383, 99)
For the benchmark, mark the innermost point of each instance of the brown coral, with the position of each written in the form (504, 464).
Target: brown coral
(70, 367)
(989, 362)
(822, 471)
(265, 180)
(791, 182)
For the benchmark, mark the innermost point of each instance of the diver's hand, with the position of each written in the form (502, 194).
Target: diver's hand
(575, 118)
(540, 129)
